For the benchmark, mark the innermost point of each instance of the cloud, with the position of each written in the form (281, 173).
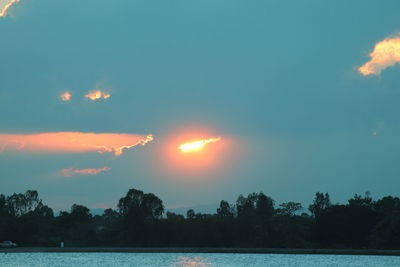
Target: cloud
(385, 54)
(97, 94)
(5, 5)
(66, 96)
(72, 142)
(68, 172)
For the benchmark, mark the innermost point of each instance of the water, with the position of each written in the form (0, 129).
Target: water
(192, 260)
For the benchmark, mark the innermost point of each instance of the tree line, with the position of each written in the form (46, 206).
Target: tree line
(253, 221)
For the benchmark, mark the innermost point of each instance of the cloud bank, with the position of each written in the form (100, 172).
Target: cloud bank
(385, 54)
(68, 172)
(97, 94)
(72, 142)
(5, 5)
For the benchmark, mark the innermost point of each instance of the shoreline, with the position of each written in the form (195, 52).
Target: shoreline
(199, 250)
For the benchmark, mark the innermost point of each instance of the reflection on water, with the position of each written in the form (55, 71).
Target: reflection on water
(193, 259)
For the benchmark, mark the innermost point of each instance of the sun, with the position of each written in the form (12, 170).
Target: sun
(197, 145)
(195, 155)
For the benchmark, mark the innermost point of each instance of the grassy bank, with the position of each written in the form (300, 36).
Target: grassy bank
(204, 250)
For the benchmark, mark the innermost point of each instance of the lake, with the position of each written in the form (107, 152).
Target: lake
(192, 259)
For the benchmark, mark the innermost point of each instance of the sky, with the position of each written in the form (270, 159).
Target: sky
(96, 97)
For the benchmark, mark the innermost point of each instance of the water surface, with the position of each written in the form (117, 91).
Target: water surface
(192, 259)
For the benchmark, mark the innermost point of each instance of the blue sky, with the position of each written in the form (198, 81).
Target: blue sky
(278, 77)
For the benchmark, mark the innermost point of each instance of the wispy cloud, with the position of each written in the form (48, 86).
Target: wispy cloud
(68, 172)
(72, 142)
(66, 96)
(5, 5)
(97, 94)
(386, 53)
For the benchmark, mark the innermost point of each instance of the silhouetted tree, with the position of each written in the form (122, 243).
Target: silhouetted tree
(254, 213)
(386, 234)
(264, 206)
(190, 214)
(289, 208)
(77, 227)
(321, 202)
(171, 216)
(139, 211)
(144, 206)
(388, 205)
(347, 226)
(225, 209)
(359, 200)
(108, 227)
(20, 204)
(252, 222)
(110, 217)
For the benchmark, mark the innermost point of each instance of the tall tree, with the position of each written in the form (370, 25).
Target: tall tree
(20, 204)
(321, 202)
(139, 212)
(225, 210)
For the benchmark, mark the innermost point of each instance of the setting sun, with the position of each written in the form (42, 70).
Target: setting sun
(197, 145)
(195, 154)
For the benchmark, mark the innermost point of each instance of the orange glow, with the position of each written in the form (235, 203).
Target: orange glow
(197, 145)
(72, 142)
(72, 172)
(66, 96)
(97, 94)
(202, 162)
(8, 4)
(385, 54)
